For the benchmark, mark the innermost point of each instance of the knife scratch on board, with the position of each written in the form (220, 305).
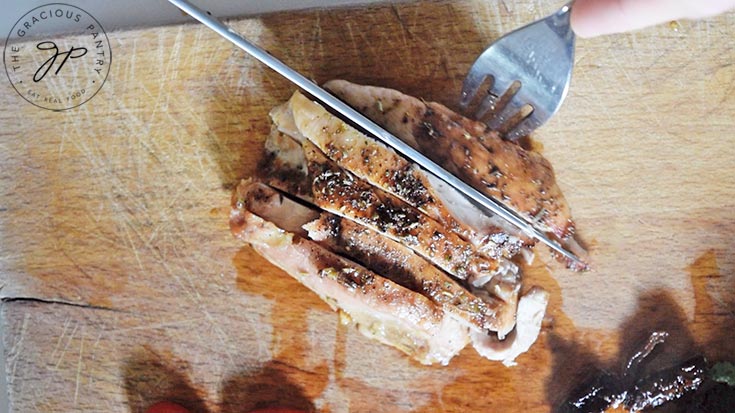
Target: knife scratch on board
(93, 354)
(162, 325)
(61, 337)
(79, 368)
(355, 45)
(405, 33)
(17, 347)
(318, 34)
(66, 347)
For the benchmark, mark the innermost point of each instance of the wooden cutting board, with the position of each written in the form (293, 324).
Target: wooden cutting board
(121, 284)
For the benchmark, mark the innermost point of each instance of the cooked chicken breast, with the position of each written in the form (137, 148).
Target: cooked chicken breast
(397, 262)
(382, 167)
(504, 282)
(283, 119)
(531, 310)
(410, 261)
(340, 192)
(521, 179)
(380, 308)
(368, 159)
(381, 255)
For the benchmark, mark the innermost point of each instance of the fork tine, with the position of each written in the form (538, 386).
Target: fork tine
(475, 78)
(500, 94)
(487, 105)
(524, 128)
(504, 114)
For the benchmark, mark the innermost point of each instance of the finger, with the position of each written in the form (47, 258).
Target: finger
(597, 17)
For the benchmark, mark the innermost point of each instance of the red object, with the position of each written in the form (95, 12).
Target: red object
(166, 407)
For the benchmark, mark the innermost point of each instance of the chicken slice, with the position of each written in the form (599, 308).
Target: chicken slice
(282, 117)
(383, 256)
(383, 167)
(271, 205)
(492, 235)
(340, 192)
(531, 310)
(379, 308)
(397, 262)
(368, 159)
(283, 166)
(523, 180)
(505, 282)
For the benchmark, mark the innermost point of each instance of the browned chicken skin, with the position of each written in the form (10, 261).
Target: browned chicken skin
(340, 192)
(382, 167)
(399, 263)
(521, 179)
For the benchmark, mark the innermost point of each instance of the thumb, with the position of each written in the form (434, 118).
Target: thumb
(597, 17)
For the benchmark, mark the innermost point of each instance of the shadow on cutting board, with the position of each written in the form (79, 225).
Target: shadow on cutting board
(708, 334)
(404, 46)
(270, 387)
(151, 377)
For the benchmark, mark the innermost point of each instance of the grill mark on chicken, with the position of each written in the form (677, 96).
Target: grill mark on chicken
(380, 308)
(521, 179)
(340, 192)
(401, 265)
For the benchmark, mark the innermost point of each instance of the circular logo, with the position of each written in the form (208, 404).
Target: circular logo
(57, 72)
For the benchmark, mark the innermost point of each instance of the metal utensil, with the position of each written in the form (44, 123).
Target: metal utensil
(366, 124)
(529, 70)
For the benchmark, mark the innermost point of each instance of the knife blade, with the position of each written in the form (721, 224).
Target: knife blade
(487, 203)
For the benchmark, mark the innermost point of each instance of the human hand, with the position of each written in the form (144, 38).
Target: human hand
(597, 17)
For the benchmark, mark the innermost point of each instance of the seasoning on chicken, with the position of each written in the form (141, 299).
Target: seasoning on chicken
(521, 179)
(401, 265)
(380, 308)
(339, 191)
(382, 167)
(283, 166)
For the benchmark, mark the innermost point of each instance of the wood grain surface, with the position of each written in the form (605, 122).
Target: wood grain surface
(122, 286)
